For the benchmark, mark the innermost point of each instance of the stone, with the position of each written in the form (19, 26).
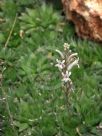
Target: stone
(87, 17)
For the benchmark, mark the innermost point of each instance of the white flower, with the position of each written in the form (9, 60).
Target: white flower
(74, 63)
(66, 46)
(66, 76)
(60, 64)
(72, 56)
(60, 53)
(67, 62)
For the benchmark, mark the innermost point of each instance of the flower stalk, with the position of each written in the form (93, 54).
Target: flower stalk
(67, 61)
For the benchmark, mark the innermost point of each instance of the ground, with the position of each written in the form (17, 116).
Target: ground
(31, 96)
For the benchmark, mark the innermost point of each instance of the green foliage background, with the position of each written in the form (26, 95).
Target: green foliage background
(32, 84)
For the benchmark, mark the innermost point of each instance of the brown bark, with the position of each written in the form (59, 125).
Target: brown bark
(87, 17)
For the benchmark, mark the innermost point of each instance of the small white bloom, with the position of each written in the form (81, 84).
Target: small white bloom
(72, 56)
(74, 63)
(60, 64)
(66, 46)
(60, 53)
(66, 76)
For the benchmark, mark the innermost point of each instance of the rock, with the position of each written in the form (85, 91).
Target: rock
(87, 17)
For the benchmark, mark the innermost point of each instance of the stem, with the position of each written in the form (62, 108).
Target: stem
(66, 87)
(78, 131)
(10, 33)
(66, 98)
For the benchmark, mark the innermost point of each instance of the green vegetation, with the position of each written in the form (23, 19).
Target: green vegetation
(30, 82)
